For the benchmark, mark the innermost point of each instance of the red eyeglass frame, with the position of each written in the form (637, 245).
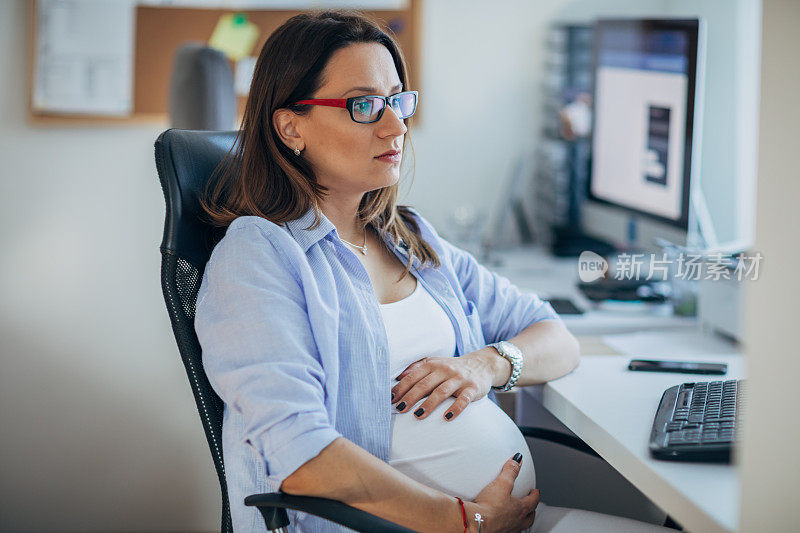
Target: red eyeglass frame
(347, 103)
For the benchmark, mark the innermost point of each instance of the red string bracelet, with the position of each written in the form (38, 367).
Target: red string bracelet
(463, 512)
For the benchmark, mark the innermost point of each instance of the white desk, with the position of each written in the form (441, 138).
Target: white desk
(532, 269)
(702, 497)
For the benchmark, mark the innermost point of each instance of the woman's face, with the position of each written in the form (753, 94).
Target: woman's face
(343, 153)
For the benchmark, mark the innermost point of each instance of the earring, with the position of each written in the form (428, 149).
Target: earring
(296, 151)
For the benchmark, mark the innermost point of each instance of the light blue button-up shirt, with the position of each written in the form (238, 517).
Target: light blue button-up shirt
(294, 343)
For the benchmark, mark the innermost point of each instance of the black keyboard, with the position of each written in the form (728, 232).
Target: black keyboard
(698, 421)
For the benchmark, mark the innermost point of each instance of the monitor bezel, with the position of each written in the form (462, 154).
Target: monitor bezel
(692, 28)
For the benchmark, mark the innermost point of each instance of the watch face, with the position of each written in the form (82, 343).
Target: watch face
(511, 350)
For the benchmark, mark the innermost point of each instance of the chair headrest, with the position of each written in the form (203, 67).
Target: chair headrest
(185, 160)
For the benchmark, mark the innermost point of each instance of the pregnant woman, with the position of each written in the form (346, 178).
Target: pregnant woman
(356, 350)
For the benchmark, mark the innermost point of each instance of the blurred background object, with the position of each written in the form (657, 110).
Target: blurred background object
(564, 149)
(201, 95)
(234, 35)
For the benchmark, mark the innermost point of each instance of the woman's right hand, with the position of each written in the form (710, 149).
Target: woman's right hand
(501, 512)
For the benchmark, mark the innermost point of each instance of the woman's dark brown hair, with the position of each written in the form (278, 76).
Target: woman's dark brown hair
(260, 175)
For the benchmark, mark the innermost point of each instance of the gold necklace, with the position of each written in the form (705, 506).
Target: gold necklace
(362, 248)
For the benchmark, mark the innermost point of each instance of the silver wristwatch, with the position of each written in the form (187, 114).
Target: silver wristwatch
(514, 356)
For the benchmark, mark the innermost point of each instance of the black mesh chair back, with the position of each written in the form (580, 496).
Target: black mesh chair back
(185, 160)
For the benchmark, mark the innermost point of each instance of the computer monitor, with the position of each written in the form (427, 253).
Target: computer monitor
(645, 135)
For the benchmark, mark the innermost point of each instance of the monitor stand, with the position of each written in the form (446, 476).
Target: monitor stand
(571, 242)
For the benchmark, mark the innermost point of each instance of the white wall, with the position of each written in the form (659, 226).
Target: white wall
(98, 419)
(480, 100)
(769, 461)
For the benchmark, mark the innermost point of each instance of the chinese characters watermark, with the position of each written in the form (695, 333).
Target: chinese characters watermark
(663, 267)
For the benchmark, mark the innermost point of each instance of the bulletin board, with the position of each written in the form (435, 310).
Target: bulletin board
(159, 31)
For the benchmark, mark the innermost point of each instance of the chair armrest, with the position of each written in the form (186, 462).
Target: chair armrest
(273, 507)
(559, 438)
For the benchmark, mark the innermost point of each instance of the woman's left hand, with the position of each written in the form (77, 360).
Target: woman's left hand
(468, 377)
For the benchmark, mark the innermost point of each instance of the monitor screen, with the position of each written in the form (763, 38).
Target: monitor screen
(645, 73)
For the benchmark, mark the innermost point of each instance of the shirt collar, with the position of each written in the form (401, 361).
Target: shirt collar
(306, 238)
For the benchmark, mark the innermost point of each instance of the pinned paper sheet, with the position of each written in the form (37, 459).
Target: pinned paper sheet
(234, 35)
(84, 57)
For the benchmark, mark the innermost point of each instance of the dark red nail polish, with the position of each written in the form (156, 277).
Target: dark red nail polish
(401, 406)
(449, 415)
(419, 412)
(392, 396)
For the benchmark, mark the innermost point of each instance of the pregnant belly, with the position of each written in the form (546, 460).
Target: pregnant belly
(463, 455)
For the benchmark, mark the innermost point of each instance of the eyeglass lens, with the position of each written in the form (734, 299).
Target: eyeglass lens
(370, 108)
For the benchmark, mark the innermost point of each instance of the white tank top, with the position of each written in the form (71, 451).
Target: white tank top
(458, 456)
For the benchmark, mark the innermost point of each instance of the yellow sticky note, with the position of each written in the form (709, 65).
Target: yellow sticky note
(234, 35)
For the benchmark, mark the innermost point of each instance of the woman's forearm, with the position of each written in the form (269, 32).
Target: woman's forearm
(549, 351)
(346, 472)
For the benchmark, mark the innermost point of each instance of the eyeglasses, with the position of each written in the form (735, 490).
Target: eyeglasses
(367, 109)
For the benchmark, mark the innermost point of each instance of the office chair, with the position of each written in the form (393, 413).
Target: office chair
(185, 160)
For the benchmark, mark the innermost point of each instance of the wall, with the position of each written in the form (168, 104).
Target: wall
(99, 432)
(480, 78)
(97, 415)
(770, 468)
